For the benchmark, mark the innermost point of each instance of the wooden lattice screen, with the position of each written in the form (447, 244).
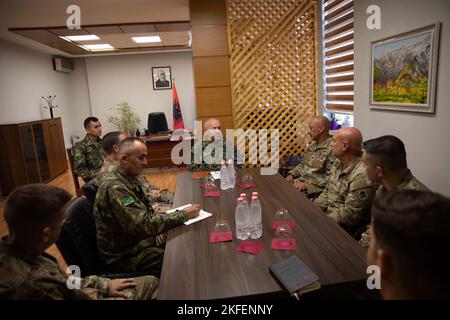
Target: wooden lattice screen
(273, 68)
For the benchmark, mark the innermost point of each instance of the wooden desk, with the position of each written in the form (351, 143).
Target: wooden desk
(193, 268)
(159, 148)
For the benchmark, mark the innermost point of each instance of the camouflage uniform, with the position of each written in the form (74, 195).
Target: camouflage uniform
(88, 158)
(348, 195)
(160, 204)
(409, 182)
(208, 162)
(24, 276)
(127, 224)
(315, 167)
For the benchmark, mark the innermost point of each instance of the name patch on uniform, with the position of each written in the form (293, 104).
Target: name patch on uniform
(127, 201)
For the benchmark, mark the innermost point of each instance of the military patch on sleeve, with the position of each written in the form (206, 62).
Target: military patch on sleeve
(77, 153)
(127, 201)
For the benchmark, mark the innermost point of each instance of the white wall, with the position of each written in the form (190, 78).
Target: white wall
(95, 85)
(113, 79)
(79, 97)
(26, 75)
(425, 136)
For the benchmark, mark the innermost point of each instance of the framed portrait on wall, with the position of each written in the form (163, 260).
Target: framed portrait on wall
(404, 69)
(162, 78)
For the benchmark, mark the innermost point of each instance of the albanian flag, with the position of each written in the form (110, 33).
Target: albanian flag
(177, 116)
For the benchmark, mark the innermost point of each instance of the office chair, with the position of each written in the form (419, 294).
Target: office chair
(90, 191)
(78, 243)
(157, 123)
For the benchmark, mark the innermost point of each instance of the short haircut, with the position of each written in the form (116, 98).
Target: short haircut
(88, 121)
(110, 140)
(323, 121)
(414, 227)
(34, 206)
(127, 144)
(388, 152)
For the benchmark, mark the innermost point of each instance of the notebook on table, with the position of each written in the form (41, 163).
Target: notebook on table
(295, 276)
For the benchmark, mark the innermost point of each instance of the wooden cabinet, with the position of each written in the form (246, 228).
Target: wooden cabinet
(31, 152)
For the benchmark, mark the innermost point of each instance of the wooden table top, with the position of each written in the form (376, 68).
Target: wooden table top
(193, 268)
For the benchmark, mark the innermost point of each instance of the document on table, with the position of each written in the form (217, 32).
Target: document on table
(201, 215)
(215, 175)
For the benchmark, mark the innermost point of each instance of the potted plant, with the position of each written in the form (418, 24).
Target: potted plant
(334, 125)
(125, 119)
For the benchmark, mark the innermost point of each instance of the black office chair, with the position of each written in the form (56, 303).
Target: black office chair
(90, 191)
(157, 123)
(78, 244)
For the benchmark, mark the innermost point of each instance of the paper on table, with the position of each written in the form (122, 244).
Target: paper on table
(215, 175)
(201, 215)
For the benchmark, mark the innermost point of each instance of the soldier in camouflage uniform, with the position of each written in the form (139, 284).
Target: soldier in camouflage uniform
(311, 175)
(35, 214)
(88, 155)
(125, 220)
(161, 199)
(385, 163)
(213, 141)
(348, 194)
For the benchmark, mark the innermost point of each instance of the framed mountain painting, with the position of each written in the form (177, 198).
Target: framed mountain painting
(404, 69)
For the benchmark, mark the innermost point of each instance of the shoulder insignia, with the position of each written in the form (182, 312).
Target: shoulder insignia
(127, 201)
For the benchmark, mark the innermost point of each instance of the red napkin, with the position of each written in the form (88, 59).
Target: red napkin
(252, 247)
(212, 194)
(220, 236)
(283, 244)
(247, 185)
(291, 224)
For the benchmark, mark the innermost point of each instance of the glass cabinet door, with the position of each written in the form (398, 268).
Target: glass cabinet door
(29, 153)
(41, 151)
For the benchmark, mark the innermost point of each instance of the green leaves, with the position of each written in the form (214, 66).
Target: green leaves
(125, 118)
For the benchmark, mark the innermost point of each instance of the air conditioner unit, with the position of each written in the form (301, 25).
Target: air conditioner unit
(62, 64)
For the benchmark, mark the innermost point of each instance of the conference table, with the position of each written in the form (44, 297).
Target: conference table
(193, 268)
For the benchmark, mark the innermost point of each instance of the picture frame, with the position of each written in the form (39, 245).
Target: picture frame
(403, 72)
(162, 78)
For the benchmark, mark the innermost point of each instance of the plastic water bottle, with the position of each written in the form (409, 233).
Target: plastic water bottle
(255, 220)
(223, 176)
(241, 219)
(231, 174)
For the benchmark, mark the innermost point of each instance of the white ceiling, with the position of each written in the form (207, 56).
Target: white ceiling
(52, 13)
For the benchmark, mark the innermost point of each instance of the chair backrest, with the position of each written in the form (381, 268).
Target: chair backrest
(77, 242)
(74, 175)
(90, 191)
(157, 123)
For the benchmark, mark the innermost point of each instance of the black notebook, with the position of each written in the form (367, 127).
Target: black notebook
(295, 276)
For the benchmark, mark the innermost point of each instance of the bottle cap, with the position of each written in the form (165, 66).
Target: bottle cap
(254, 198)
(243, 195)
(240, 199)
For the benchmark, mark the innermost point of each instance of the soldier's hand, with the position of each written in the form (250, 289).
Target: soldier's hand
(117, 285)
(155, 193)
(192, 211)
(300, 186)
(289, 178)
(160, 239)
